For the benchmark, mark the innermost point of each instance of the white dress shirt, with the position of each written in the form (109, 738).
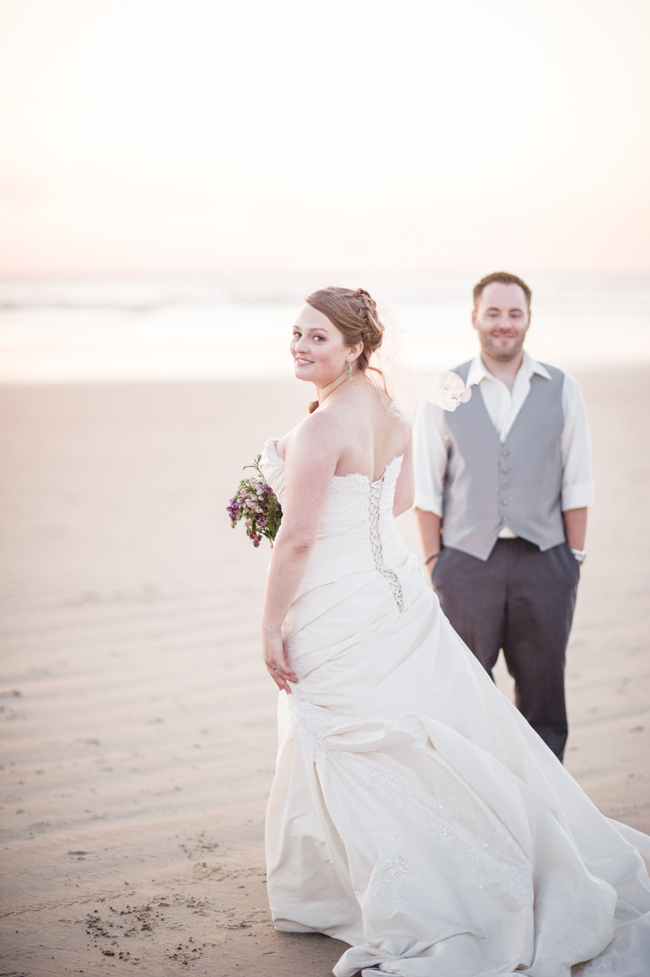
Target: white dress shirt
(503, 406)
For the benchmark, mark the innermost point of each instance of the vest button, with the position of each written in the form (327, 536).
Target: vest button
(504, 451)
(505, 469)
(505, 485)
(504, 502)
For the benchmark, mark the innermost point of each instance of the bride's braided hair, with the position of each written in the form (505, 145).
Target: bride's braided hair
(354, 313)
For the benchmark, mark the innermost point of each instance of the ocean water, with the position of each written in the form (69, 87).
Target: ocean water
(79, 330)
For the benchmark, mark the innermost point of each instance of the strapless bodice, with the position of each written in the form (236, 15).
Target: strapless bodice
(357, 533)
(355, 487)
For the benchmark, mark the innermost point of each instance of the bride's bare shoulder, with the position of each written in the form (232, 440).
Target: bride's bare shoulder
(324, 425)
(322, 433)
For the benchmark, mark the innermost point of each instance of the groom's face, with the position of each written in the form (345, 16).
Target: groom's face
(501, 319)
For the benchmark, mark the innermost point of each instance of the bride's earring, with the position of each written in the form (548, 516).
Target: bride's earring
(349, 371)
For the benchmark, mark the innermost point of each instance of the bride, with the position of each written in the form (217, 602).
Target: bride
(414, 813)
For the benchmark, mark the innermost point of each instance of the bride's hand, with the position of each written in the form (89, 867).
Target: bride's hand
(276, 660)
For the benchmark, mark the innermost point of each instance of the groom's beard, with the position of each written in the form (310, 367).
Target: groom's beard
(504, 354)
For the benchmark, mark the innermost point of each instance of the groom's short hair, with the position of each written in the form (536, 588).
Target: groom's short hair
(503, 278)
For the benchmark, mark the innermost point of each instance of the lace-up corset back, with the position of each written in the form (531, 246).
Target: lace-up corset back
(356, 510)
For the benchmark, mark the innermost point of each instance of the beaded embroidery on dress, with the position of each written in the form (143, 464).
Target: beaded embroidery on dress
(414, 813)
(375, 541)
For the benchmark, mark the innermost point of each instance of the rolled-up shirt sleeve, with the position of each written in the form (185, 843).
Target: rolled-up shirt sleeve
(431, 447)
(577, 478)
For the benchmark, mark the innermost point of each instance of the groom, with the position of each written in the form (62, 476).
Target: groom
(507, 479)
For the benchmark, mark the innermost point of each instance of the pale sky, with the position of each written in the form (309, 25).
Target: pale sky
(203, 136)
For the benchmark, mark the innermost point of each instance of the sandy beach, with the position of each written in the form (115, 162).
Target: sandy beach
(138, 721)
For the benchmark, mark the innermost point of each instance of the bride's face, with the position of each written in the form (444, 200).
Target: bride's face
(319, 352)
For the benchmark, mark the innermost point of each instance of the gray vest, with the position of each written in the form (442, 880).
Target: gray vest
(519, 482)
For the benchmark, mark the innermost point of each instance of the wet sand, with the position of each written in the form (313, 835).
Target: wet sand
(138, 721)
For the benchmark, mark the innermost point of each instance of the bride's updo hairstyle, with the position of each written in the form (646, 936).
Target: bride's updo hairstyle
(354, 313)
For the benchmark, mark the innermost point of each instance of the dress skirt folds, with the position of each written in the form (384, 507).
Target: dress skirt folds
(414, 814)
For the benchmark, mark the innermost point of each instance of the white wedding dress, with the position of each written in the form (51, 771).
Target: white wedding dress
(414, 813)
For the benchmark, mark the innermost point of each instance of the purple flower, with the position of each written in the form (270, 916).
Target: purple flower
(256, 504)
(233, 510)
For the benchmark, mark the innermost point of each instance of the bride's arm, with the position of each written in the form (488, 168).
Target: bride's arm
(405, 487)
(311, 459)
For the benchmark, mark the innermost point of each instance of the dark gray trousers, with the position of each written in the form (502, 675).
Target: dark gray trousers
(521, 600)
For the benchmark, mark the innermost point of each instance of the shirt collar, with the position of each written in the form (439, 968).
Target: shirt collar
(478, 372)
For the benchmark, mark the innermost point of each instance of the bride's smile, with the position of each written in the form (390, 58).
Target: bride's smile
(320, 354)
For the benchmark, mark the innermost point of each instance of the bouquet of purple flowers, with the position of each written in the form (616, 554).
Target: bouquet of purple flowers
(256, 503)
